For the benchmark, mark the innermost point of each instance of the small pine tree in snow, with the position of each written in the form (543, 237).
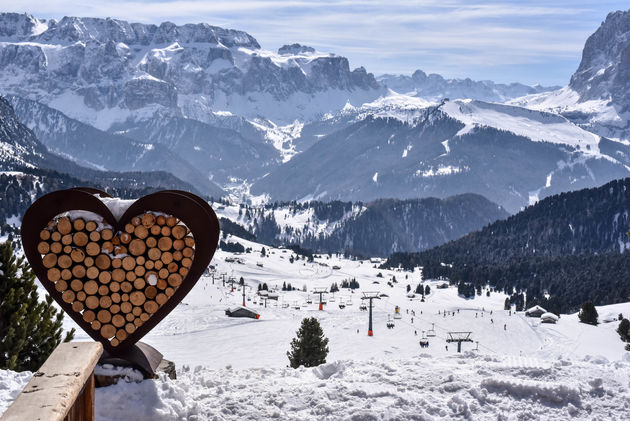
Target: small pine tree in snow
(29, 329)
(310, 347)
(588, 313)
(624, 330)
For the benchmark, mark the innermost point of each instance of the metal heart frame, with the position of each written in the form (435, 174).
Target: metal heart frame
(193, 211)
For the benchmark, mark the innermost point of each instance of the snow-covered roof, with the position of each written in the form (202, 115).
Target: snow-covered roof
(535, 309)
(549, 316)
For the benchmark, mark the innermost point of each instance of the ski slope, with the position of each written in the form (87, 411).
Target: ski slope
(237, 368)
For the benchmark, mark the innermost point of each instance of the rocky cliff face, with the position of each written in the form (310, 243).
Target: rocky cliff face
(598, 95)
(107, 69)
(604, 72)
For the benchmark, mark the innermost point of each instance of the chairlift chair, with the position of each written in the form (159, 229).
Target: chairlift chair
(363, 307)
(431, 332)
(390, 322)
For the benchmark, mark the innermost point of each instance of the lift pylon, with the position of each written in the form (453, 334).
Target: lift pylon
(370, 296)
(321, 292)
(459, 337)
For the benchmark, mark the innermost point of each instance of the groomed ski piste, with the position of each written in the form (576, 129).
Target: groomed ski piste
(515, 368)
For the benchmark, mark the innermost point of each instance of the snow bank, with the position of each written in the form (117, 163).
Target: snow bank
(421, 389)
(558, 394)
(11, 384)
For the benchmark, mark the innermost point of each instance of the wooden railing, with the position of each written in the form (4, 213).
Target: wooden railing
(62, 389)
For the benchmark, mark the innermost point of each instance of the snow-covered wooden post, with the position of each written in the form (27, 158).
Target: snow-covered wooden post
(62, 389)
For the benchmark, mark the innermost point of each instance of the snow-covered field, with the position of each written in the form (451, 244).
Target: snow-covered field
(515, 368)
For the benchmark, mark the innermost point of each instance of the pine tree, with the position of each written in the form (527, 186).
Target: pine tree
(29, 329)
(588, 313)
(310, 347)
(624, 330)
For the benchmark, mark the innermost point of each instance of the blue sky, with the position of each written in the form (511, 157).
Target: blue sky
(526, 41)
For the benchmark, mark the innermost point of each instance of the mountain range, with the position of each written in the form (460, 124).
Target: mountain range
(213, 107)
(434, 87)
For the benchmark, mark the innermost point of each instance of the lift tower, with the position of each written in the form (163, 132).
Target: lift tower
(321, 292)
(370, 296)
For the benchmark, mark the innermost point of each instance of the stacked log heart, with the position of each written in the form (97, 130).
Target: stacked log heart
(117, 278)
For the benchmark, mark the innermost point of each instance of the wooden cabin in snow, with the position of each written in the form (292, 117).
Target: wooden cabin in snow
(242, 312)
(535, 311)
(549, 318)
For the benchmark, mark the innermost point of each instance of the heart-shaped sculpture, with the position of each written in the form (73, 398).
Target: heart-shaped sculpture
(118, 278)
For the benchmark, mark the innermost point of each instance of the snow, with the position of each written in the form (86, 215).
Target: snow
(236, 368)
(116, 206)
(297, 221)
(441, 170)
(535, 125)
(281, 137)
(11, 384)
(392, 105)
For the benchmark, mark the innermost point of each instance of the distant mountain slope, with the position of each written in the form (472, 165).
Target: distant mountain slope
(96, 149)
(397, 148)
(572, 245)
(217, 153)
(373, 229)
(434, 87)
(20, 149)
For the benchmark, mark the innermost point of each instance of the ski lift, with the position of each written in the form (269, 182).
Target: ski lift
(342, 305)
(296, 306)
(424, 334)
(308, 300)
(349, 302)
(363, 307)
(431, 332)
(332, 299)
(285, 305)
(390, 322)
(397, 314)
